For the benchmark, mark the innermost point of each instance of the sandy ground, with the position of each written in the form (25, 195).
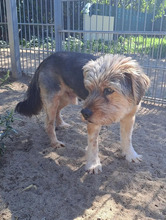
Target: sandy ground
(40, 183)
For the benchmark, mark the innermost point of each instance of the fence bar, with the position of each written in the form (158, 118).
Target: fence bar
(58, 24)
(13, 38)
(155, 33)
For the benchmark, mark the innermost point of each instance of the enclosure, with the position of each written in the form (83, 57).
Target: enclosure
(37, 182)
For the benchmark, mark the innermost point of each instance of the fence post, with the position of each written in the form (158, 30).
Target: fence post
(58, 24)
(13, 37)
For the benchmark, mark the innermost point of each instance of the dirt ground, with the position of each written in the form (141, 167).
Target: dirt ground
(41, 183)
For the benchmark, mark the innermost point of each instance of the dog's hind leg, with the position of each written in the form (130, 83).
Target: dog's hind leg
(126, 129)
(59, 121)
(66, 99)
(51, 107)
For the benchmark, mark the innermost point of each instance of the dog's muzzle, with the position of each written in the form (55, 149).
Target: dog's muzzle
(86, 112)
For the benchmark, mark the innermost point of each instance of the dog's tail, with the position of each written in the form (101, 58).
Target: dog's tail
(33, 103)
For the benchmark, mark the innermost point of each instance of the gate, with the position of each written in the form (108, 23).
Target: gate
(133, 28)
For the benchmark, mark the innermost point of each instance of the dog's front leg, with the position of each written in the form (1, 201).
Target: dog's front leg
(93, 164)
(126, 129)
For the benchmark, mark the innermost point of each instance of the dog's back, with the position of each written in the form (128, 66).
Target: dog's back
(68, 67)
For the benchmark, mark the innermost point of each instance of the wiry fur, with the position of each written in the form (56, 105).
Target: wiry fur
(121, 74)
(125, 78)
(116, 71)
(64, 76)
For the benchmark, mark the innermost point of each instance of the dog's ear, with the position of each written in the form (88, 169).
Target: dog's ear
(126, 85)
(139, 83)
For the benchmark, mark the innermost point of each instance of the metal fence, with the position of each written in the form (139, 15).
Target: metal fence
(135, 28)
(36, 32)
(5, 62)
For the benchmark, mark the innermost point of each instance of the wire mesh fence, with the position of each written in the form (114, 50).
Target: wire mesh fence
(135, 28)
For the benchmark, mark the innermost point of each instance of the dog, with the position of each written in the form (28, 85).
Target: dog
(111, 85)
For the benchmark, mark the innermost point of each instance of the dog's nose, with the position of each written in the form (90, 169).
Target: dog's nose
(86, 113)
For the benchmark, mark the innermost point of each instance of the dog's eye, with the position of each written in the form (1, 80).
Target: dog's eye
(108, 91)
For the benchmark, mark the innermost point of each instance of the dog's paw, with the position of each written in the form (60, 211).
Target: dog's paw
(58, 144)
(132, 156)
(93, 168)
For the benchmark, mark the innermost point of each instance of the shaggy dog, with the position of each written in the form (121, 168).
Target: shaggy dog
(111, 85)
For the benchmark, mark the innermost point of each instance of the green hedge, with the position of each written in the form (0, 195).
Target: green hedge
(154, 47)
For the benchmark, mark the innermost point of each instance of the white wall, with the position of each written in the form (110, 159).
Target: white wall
(98, 23)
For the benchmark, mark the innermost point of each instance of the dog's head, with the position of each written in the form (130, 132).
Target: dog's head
(116, 85)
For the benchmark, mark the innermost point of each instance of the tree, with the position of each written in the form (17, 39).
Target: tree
(157, 7)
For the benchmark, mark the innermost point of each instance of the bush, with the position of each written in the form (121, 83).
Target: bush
(72, 44)
(154, 47)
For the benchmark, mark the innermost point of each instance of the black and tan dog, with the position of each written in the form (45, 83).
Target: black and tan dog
(111, 85)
